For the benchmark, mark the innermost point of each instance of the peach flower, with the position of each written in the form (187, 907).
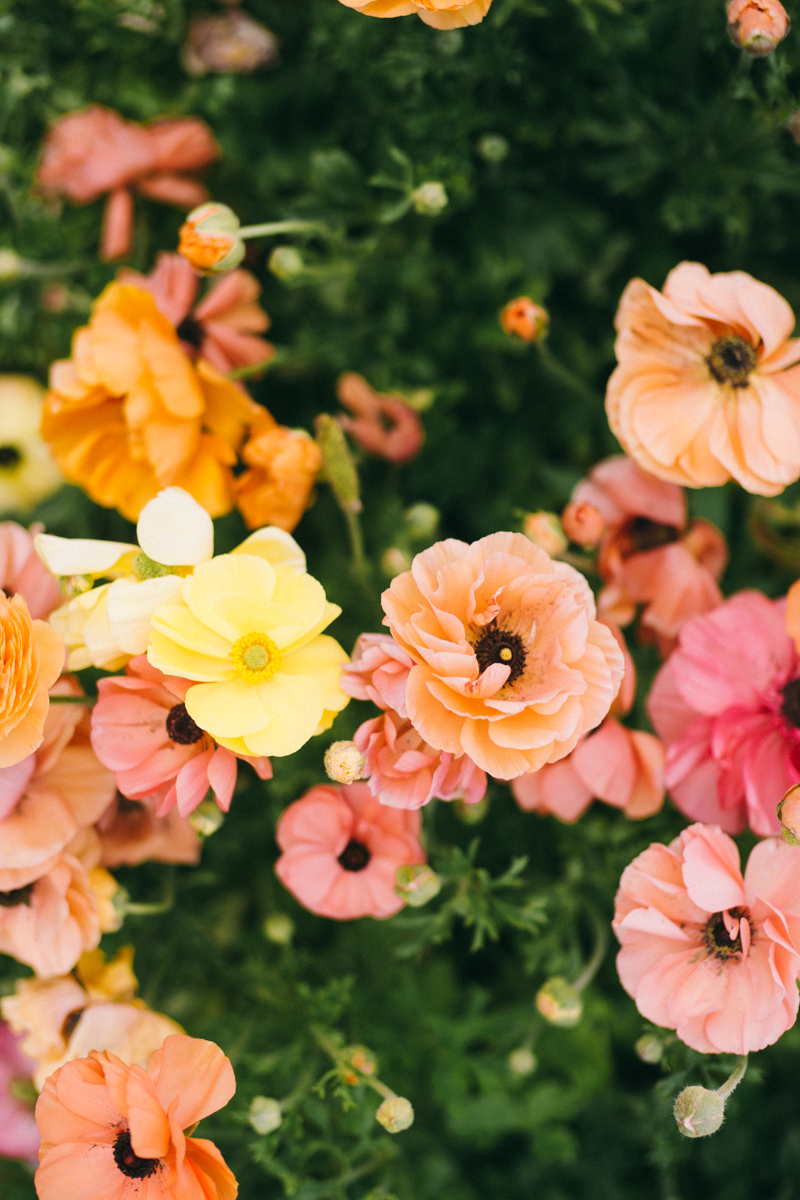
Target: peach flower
(283, 465)
(382, 425)
(341, 850)
(510, 665)
(118, 1132)
(129, 414)
(31, 659)
(131, 833)
(525, 319)
(19, 1136)
(441, 14)
(48, 919)
(708, 383)
(582, 523)
(21, 570)
(95, 151)
(706, 953)
(378, 671)
(757, 26)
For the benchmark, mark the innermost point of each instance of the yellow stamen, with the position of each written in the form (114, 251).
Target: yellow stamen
(255, 658)
(506, 654)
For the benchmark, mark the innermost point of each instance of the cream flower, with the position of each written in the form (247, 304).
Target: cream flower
(27, 470)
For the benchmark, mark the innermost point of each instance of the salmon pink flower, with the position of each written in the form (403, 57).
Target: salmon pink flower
(118, 1132)
(706, 953)
(708, 383)
(727, 705)
(21, 570)
(510, 665)
(378, 671)
(441, 14)
(31, 659)
(341, 850)
(382, 425)
(131, 833)
(757, 26)
(48, 919)
(19, 1136)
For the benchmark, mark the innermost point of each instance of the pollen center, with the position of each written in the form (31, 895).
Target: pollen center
(731, 360)
(255, 658)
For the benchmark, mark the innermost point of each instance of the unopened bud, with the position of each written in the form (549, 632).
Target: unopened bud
(757, 26)
(429, 199)
(417, 884)
(544, 528)
(699, 1111)
(493, 147)
(525, 319)
(788, 812)
(394, 561)
(286, 263)
(650, 1048)
(344, 762)
(583, 523)
(522, 1061)
(395, 1114)
(421, 520)
(209, 239)
(361, 1058)
(264, 1114)
(471, 814)
(279, 928)
(340, 470)
(74, 585)
(560, 1003)
(207, 818)
(11, 265)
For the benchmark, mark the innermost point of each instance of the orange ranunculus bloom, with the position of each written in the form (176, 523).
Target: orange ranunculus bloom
(129, 414)
(283, 466)
(525, 319)
(113, 1132)
(31, 659)
(441, 14)
(708, 383)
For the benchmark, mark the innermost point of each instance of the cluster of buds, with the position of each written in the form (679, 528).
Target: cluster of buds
(357, 1064)
(212, 239)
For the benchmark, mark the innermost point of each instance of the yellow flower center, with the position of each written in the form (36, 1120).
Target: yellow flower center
(255, 658)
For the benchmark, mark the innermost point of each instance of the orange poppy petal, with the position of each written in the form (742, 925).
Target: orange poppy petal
(194, 1071)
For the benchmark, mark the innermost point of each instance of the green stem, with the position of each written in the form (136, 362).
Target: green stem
(356, 543)
(87, 701)
(268, 228)
(557, 369)
(735, 1079)
(598, 954)
(253, 369)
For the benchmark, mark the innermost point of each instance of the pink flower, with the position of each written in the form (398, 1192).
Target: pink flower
(378, 671)
(727, 704)
(142, 731)
(21, 570)
(341, 850)
(706, 953)
(382, 425)
(131, 833)
(223, 327)
(19, 1137)
(95, 151)
(48, 919)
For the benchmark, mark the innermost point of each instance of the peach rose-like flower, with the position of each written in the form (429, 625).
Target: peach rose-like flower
(441, 14)
(708, 383)
(708, 953)
(283, 465)
(48, 919)
(31, 659)
(130, 833)
(510, 665)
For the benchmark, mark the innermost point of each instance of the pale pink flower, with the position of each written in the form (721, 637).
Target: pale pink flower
(382, 425)
(48, 919)
(727, 705)
(131, 833)
(341, 850)
(142, 731)
(378, 671)
(706, 953)
(19, 1136)
(21, 570)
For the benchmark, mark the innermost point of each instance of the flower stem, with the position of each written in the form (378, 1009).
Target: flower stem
(598, 954)
(86, 701)
(557, 369)
(735, 1079)
(269, 228)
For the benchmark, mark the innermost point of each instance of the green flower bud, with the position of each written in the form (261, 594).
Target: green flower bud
(429, 199)
(522, 1061)
(279, 928)
(699, 1111)
(650, 1048)
(560, 1003)
(264, 1114)
(206, 818)
(395, 1114)
(417, 884)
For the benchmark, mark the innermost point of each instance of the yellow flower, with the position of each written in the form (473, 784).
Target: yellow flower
(27, 472)
(249, 631)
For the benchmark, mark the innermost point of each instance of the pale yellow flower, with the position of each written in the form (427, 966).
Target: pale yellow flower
(27, 470)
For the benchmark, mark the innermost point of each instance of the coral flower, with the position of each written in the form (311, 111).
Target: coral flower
(651, 554)
(706, 953)
(283, 465)
(525, 319)
(378, 671)
(31, 659)
(510, 665)
(341, 851)
(118, 1133)
(27, 470)
(95, 151)
(142, 731)
(48, 919)
(230, 42)
(21, 570)
(19, 1136)
(708, 383)
(441, 14)
(129, 414)
(727, 704)
(757, 26)
(382, 425)
(131, 833)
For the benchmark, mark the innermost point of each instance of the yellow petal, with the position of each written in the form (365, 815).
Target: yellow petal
(295, 705)
(131, 606)
(232, 708)
(79, 556)
(228, 575)
(173, 529)
(322, 659)
(276, 546)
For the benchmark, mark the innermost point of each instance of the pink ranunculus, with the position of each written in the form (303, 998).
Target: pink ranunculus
(19, 1137)
(382, 425)
(48, 919)
(405, 772)
(727, 705)
(94, 151)
(706, 953)
(651, 554)
(341, 850)
(130, 833)
(224, 327)
(378, 671)
(21, 570)
(143, 733)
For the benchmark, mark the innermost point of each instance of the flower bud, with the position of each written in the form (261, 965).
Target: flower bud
(55, 298)
(650, 1048)
(522, 1061)
(264, 1114)
(394, 561)
(544, 528)
(338, 464)
(421, 521)
(429, 199)
(279, 928)
(559, 1003)
(344, 762)
(286, 263)
(583, 523)
(525, 319)
(417, 884)
(699, 1111)
(226, 43)
(471, 814)
(11, 265)
(361, 1058)
(206, 818)
(209, 239)
(788, 812)
(757, 26)
(493, 147)
(395, 1114)
(74, 585)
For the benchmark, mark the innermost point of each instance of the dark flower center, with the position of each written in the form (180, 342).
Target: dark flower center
(645, 534)
(790, 708)
(181, 728)
(17, 896)
(129, 1163)
(499, 646)
(718, 939)
(731, 360)
(70, 1021)
(10, 456)
(191, 331)
(354, 857)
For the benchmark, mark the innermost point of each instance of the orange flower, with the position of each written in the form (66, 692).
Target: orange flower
(113, 1132)
(129, 414)
(31, 658)
(441, 14)
(209, 239)
(757, 26)
(283, 466)
(525, 319)
(708, 383)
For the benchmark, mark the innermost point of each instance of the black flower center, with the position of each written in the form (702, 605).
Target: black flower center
(17, 896)
(790, 708)
(731, 360)
(645, 534)
(498, 646)
(191, 331)
(354, 857)
(181, 728)
(10, 456)
(70, 1021)
(128, 1162)
(718, 939)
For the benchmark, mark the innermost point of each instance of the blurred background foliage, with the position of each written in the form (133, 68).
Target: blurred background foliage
(580, 142)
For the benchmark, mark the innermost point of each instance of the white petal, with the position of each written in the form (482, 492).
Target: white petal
(276, 546)
(131, 607)
(79, 556)
(174, 530)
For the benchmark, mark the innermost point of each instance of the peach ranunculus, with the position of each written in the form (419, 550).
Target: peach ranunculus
(341, 850)
(757, 26)
(708, 383)
(95, 151)
(143, 733)
(651, 554)
(119, 1132)
(129, 414)
(48, 919)
(441, 14)
(31, 659)
(130, 833)
(382, 425)
(21, 570)
(510, 665)
(705, 952)
(19, 1136)
(282, 467)
(378, 671)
